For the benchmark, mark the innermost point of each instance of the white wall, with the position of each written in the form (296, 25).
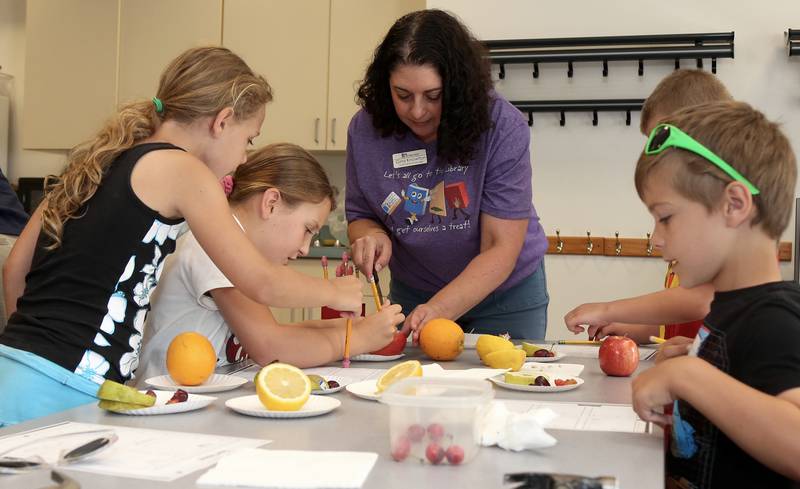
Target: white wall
(583, 175)
(21, 163)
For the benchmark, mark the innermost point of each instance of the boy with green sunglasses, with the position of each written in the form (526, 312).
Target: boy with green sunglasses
(719, 180)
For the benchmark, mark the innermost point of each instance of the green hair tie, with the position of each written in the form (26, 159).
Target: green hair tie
(159, 105)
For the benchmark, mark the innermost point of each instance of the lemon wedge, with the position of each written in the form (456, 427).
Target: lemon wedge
(490, 343)
(512, 359)
(282, 387)
(411, 368)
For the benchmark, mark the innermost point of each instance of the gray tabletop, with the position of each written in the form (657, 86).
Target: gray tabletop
(361, 425)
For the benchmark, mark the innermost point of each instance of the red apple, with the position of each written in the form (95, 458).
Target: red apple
(396, 347)
(619, 356)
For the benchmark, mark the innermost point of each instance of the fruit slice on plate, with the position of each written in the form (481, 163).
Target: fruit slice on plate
(282, 387)
(411, 368)
(511, 359)
(537, 351)
(122, 394)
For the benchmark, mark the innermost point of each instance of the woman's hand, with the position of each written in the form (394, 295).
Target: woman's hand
(372, 251)
(378, 329)
(418, 317)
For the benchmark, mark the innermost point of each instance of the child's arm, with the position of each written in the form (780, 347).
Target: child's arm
(18, 262)
(183, 185)
(302, 345)
(640, 333)
(767, 427)
(676, 305)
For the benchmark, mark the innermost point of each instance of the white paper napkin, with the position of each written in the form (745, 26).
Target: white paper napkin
(291, 469)
(436, 370)
(516, 431)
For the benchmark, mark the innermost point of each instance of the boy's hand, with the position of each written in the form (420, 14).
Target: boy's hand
(610, 329)
(379, 328)
(592, 314)
(346, 295)
(674, 347)
(372, 251)
(418, 317)
(651, 392)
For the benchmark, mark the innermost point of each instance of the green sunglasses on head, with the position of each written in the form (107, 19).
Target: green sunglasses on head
(668, 136)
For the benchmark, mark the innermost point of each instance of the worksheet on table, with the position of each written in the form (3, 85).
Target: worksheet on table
(586, 416)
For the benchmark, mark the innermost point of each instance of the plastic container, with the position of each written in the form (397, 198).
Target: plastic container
(436, 420)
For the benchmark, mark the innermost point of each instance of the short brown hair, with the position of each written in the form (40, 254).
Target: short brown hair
(747, 141)
(680, 89)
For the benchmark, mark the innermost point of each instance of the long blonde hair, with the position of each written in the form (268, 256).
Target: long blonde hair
(198, 83)
(286, 167)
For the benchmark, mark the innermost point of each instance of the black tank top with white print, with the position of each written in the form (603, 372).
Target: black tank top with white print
(85, 302)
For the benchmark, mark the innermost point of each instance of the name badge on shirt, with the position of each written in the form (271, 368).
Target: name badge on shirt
(410, 158)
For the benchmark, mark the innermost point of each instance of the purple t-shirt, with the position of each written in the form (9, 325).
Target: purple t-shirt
(432, 212)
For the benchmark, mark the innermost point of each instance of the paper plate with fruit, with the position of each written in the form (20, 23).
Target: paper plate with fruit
(366, 389)
(167, 402)
(536, 382)
(538, 353)
(252, 406)
(325, 385)
(215, 383)
(372, 357)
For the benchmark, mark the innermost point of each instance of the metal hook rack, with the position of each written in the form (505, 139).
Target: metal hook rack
(793, 42)
(612, 48)
(593, 106)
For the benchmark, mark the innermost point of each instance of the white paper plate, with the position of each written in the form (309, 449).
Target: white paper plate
(341, 382)
(369, 357)
(195, 401)
(556, 358)
(539, 388)
(215, 383)
(366, 389)
(562, 369)
(251, 406)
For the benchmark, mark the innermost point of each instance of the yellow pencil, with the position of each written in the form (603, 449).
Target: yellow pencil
(375, 294)
(656, 339)
(348, 330)
(579, 342)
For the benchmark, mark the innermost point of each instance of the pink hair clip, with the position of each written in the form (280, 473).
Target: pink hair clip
(227, 184)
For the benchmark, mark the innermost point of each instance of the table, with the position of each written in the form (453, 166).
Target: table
(637, 460)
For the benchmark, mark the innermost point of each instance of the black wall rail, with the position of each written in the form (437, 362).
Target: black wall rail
(594, 106)
(611, 48)
(793, 42)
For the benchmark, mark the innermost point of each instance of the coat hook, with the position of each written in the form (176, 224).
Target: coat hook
(589, 244)
(617, 245)
(649, 249)
(605, 67)
(714, 65)
(502, 71)
(699, 63)
(627, 117)
(641, 67)
(530, 119)
(536, 70)
(594, 117)
(563, 121)
(677, 63)
(569, 69)
(559, 243)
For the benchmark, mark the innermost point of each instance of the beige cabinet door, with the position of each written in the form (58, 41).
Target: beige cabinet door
(357, 27)
(70, 71)
(153, 32)
(287, 43)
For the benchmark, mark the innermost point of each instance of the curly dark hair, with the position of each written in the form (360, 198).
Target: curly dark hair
(439, 39)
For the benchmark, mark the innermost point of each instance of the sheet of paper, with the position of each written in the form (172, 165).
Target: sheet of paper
(591, 351)
(586, 416)
(139, 453)
(347, 375)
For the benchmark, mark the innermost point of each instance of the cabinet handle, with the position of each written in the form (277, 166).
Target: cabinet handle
(316, 130)
(333, 130)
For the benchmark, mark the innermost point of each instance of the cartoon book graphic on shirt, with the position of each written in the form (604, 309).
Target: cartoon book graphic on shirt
(416, 200)
(438, 207)
(457, 198)
(389, 205)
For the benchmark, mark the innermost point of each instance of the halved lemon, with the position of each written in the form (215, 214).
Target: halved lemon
(282, 387)
(411, 368)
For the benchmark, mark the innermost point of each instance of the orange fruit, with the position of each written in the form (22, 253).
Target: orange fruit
(441, 339)
(190, 359)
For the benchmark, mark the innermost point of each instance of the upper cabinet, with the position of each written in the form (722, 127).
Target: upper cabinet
(314, 54)
(70, 71)
(153, 32)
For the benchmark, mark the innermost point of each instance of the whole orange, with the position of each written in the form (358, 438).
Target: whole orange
(441, 339)
(190, 359)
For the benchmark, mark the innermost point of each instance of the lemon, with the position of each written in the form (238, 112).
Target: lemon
(411, 368)
(282, 387)
(488, 343)
(512, 359)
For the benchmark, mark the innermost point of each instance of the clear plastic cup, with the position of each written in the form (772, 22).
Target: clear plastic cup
(436, 420)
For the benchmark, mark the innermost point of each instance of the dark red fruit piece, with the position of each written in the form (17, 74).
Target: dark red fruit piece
(179, 396)
(150, 393)
(543, 353)
(401, 448)
(434, 453)
(332, 384)
(541, 381)
(416, 432)
(435, 431)
(455, 454)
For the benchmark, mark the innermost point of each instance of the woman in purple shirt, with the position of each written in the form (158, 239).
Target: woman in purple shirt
(439, 184)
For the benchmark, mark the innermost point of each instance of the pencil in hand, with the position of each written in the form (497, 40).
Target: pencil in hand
(325, 267)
